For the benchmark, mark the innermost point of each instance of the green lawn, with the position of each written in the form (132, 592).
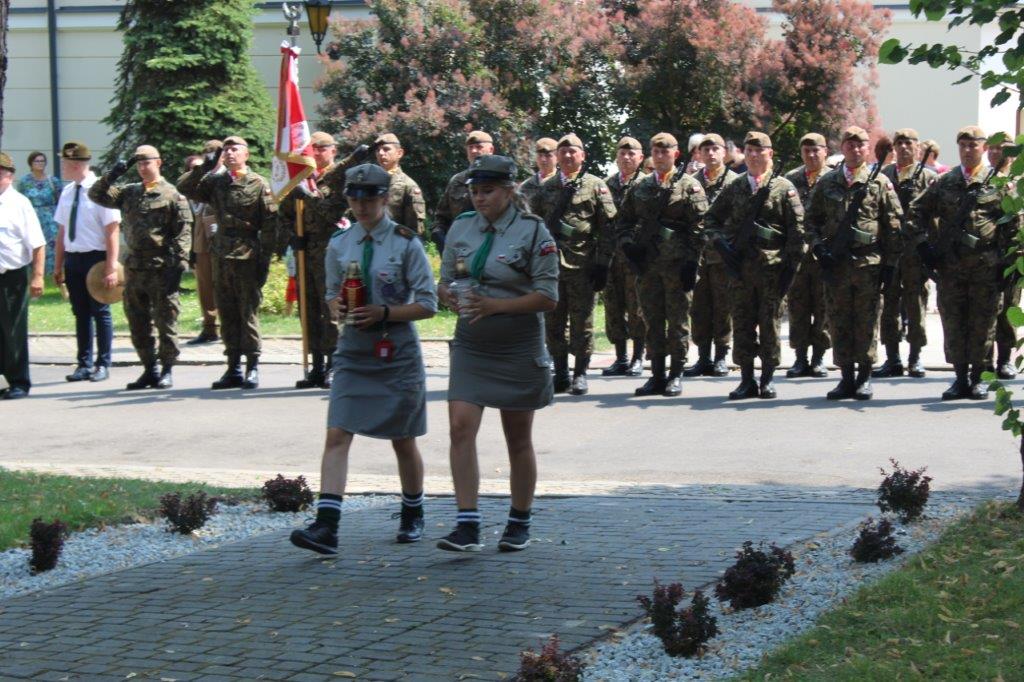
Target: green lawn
(955, 612)
(84, 502)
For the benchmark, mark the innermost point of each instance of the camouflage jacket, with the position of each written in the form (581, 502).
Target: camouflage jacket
(320, 214)
(619, 189)
(530, 186)
(245, 209)
(798, 176)
(907, 190)
(454, 201)
(712, 190)
(156, 223)
(585, 236)
(673, 235)
(405, 202)
(779, 233)
(987, 235)
(879, 219)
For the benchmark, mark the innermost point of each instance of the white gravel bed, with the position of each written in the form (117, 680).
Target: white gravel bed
(825, 576)
(96, 551)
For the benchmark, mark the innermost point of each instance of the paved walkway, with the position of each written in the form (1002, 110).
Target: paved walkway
(260, 609)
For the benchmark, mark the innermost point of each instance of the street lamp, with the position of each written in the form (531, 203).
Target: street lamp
(317, 12)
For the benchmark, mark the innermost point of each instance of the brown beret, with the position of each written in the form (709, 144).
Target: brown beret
(235, 140)
(211, 146)
(545, 144)
(6, 161)
(629, 143)
(905, 134)
(757, 139)
(75, 151)
(666, 140)
(570, 140)
(970, 133)
(813, 139)
(322, 139)
(478, 136)
(710, 139)
(146, 152)
(855, 133)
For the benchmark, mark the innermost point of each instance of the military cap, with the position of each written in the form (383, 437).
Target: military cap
(855, 133)
(905, 134)
(1007, 138)
(970, 133)
(757, 139)
(146, 152)
(629, 143)
(75, 151)
(366, 180)
(710, 139)
(811, 139)
(211, 146)
(235, 140)
(6, 161)
(478, 136)
(491, 168)
(666, 140)
(694, 141)
(570, 140)
(545, 144)
(322, 139)
(387, 138)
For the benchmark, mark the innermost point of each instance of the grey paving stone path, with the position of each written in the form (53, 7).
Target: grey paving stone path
(261, 609)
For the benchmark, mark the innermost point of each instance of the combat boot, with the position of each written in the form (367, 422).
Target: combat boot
(961, 387)
(893, 365)
(656, 384)
(166, 380)
(818, 368)
(721, 366)
(703, 365)
(1004, 368)
(232, 377)
(863, 390)
(915, 367)
(674, 385)
(579, 376)
(562, 381)
(979, 389)
(767, 385)
(620, 367)
(315, 377)
(252, 372)
(148, 379)
(846, 387)
(636, 363)
(748, 387)
(800, 367)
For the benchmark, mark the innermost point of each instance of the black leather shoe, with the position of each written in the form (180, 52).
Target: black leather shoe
(579, 385)
(317, 537)
(720, 368)
(204, 337)
(862, 389)
(99, 373)
(703, 367)
(673, 386)
(1006, 371)
(166, 380)
(562, 381)
(915, 368)
(656, 384)
(232, 378)
(800, 367)
(316, 376)
(636, 366)
(410, 528)
(252, 373)
(961, 386)
(15, 393)
(818, 368)
(766, 387)
(148, 379)
(893, 365)
(979, 389)
(847, 385)
(748, 387)
(80, 374)
(619, 368)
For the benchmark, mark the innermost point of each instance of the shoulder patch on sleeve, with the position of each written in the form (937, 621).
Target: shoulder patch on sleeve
(403, 231)
(791, 193)
(546, 248)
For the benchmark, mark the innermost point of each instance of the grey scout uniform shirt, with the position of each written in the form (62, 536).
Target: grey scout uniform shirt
(523, 256)
(156, 222)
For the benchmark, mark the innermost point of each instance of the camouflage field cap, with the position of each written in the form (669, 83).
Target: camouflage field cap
(855, 133)
(492, 168)
(366, 180)
(146, 152)
(905, 134)
(6, 161)
(665, 140)
(479, 136)
(322, 139)
(235, 140)
(811, 139)
(545, 144)
(211, 146)
(75, 151)
(710, 139)
(970, 133)
(629, 143)
(1007, 138)
(387, 138)
(570, 140)
(757, 139)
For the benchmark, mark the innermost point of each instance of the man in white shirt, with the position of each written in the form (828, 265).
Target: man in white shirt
(21, 245)
(87, 234)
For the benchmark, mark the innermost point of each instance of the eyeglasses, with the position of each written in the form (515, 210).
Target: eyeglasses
(38, 160)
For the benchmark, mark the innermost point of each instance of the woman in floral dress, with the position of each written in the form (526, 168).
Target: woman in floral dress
(43, 191)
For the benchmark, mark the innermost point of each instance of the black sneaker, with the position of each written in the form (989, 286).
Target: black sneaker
(410, 528)
(515, 537)
(317, 537)
(465, 538)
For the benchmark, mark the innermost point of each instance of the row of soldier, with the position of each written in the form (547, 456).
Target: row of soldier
(714, 248)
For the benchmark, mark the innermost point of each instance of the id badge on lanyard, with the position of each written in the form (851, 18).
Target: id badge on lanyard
(384, 349)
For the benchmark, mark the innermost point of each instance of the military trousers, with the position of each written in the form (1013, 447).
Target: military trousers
(237, 290)
(148, 304)
(666, 309)
(622, 317)
(570, 326)
(808, 316)
(1006, 333)
(710, 315)
(853, 301)
(14, 327)
(756, 314)
(909, 292)
(969, 298)
(321, 331)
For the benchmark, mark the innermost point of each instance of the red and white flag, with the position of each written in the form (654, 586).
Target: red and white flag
(293, 162)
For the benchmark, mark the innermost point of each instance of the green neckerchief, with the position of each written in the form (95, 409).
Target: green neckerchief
(367, 259)
(476, 269)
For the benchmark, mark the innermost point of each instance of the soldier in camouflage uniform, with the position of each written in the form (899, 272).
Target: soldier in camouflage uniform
(1006, 333)
(659, 231)
(968, 253)
(853, 281)
(808, 319)
(157, 227)
(547, 165)
(910, 290)
(622, 318)
(320, 220)
(757, 256)
(455, 199)
(405, 199)
(710, 315)
(242, 249)
(578, 210)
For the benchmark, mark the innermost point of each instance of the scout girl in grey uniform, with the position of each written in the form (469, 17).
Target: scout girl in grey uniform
(498, 357)
(380, 384)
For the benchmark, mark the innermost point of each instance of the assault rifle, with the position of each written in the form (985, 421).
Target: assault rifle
(558, 228)
(733, 254)
(666, 229)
